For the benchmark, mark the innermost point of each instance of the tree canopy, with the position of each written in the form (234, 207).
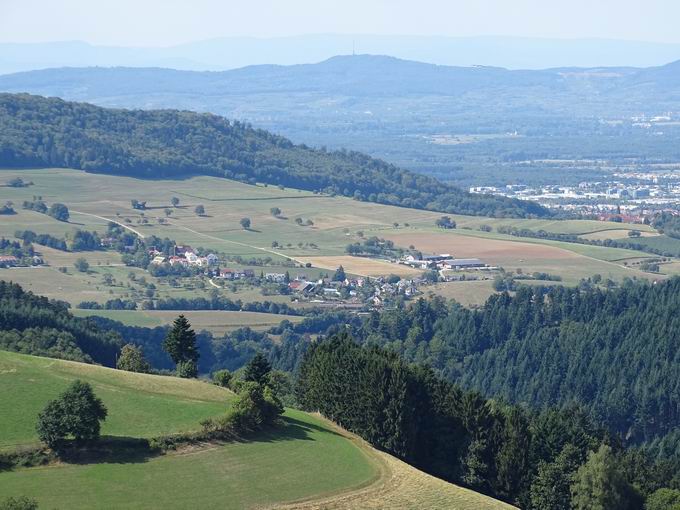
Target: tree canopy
(37, 131)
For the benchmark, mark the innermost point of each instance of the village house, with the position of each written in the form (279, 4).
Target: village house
(8, 261)
(275, 277)
(182, 250)
(158, 260)
(179, 261)
(301, 286)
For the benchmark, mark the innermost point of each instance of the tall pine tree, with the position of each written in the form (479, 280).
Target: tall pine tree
(180, 344)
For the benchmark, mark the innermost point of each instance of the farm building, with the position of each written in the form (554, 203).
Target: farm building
(461, 264)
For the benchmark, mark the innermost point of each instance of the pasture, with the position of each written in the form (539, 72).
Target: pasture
(139, 405)
(217, 322)
(311, 228)
(307, 462)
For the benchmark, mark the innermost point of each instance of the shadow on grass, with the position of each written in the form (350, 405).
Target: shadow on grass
(291, 429)
(132, 450)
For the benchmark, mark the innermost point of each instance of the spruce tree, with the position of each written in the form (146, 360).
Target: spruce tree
(257, 370)
(180, 344)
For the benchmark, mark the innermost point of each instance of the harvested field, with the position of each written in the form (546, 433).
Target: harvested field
(513, 255)
(360, 266)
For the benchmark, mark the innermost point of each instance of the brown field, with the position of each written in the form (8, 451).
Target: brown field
(399, 486)
(512, 255)
(360, 266)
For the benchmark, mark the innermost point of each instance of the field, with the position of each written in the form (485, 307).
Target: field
(139, 405)
(551, 257)
(217, 322)
(336, 222)
(361, 266)
(307, 460)
(467, 293)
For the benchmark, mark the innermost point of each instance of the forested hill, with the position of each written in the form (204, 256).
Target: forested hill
(615, 352)
(38, 131)
(36, 325)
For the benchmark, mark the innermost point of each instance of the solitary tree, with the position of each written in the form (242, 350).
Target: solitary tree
(81, 265)
(257, 370)
(174, 201)
(132, 359)
(339, 275)
(180, 344)
(200, 210)
(76, 412)
(58, 212)
(275, 211)
(245, 223)
(167, 211)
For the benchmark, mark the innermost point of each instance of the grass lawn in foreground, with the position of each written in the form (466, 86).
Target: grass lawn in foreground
(139, 405)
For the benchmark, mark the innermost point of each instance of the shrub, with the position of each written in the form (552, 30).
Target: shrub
(132, 359)
(187, 369)
(20, 503)
(222, 378)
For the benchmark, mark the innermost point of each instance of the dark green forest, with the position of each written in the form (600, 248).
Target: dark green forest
(538, 460)
(36, 325)
(616, 352)
(49, 132)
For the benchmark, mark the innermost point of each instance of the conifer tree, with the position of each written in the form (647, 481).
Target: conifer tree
(180, 344)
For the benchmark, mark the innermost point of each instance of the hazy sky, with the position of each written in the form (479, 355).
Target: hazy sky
(168, 22)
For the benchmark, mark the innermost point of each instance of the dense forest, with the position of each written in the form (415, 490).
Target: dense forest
(616, 352)
(36, 325)
(37, 131)
(543, 460)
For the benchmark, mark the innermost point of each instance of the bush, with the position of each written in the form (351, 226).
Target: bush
(76, 412)
(187, 369)
(20, 503)
(132, 359)
(254, 408)
(222, 378)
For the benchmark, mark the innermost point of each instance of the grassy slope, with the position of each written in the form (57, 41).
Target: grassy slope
(139, 405)
(226, 202)
(308, 460)
(217, 322)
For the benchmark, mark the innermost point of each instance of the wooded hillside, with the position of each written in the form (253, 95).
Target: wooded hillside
(37, 131)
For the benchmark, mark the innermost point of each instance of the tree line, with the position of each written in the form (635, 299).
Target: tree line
(553, 459)
(50, 132)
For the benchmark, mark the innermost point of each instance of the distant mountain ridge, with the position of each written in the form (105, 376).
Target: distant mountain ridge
(234, 52)
(36, 131)
(355, 74)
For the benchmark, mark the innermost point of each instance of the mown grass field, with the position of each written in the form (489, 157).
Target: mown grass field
(96, 199)
(217, 322)
(306, 463)
(139, 405)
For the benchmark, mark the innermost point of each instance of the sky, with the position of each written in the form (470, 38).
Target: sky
(171, 22)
